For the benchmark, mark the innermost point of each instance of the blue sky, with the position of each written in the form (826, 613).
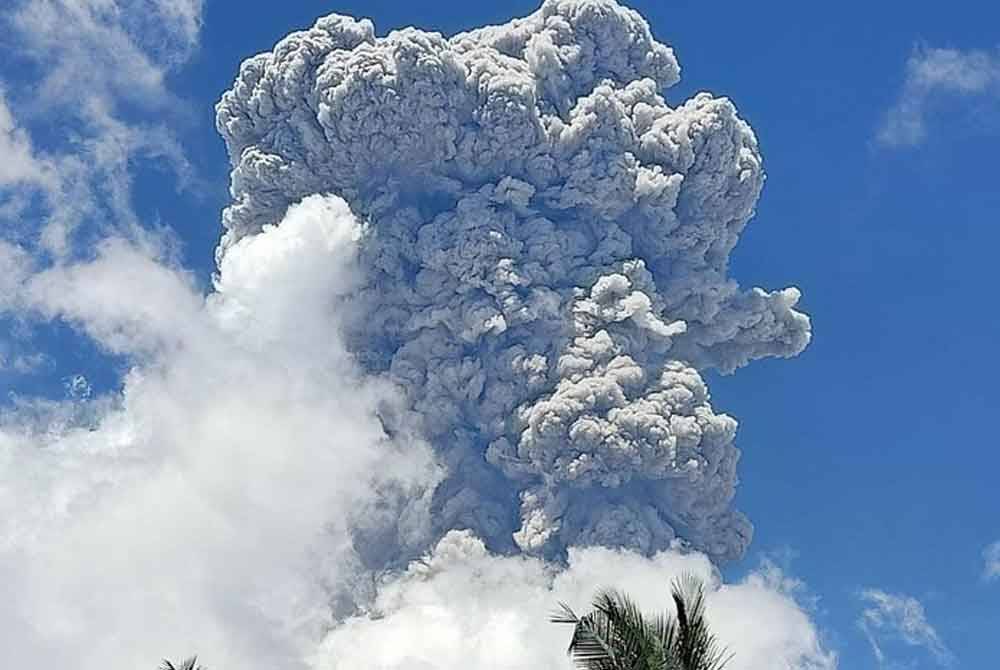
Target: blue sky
(869, 461)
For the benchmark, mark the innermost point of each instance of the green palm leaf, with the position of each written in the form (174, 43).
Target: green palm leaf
(695, 646)
(592, 645)
(616, 635)
(189, 664)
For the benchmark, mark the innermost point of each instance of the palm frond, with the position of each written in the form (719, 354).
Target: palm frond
(564, 614)
(189, 664)
(695, 646)
(664, 629)
(616, 635)
(636, 643)
(592, 644)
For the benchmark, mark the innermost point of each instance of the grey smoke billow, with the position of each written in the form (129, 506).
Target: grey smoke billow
(545, 261)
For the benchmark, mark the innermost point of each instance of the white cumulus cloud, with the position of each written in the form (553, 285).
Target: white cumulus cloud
(462, 607)
(207, 505)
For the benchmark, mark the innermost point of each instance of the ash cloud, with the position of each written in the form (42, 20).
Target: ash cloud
(544, 262)
(466, 295)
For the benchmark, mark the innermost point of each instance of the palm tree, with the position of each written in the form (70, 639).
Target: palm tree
(616, 635)
(190, 664)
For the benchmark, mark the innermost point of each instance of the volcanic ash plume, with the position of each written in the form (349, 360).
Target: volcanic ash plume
(544, 261)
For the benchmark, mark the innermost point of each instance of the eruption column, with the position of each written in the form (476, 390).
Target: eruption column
(544, 257)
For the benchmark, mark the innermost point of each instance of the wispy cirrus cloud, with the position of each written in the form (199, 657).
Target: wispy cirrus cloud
(89, 49)
(85, 107)
(991, 560)
(87, 102)
(20, 165)
(932, 75)
(890, 617)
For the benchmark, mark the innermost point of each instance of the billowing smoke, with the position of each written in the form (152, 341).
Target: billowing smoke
(207, 507)
(544, 261)
(450, 371)
(234, 496)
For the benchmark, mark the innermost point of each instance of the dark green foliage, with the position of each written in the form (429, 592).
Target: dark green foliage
(616, 635)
